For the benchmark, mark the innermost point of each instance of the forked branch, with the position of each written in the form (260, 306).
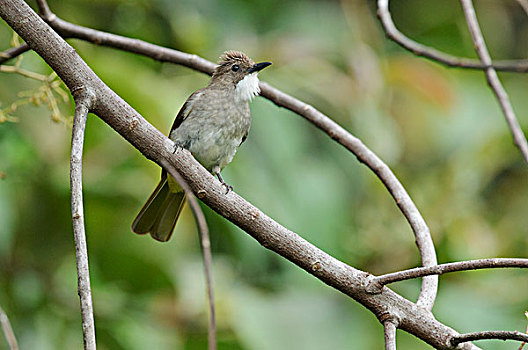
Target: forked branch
(392, 32)
(320, 120)
(154, 145)
(493, 80)
(484, 63)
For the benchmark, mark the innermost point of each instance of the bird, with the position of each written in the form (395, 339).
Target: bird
(212, 124)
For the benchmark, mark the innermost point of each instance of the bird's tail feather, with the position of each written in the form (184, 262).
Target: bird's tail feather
(159, 214)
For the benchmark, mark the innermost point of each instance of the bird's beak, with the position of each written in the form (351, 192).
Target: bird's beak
(258, 67)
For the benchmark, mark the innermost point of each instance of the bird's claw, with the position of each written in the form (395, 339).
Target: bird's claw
(228, 187)
(221, 179)
(177, 147)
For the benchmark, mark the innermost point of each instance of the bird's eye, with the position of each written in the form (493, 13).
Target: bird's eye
(235, 67)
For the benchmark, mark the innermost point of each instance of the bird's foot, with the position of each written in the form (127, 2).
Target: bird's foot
(228, 187)
(225, 184)
(177, 147)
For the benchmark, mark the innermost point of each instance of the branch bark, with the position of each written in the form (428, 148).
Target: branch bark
(502, 335)
(389, 328)
(83, 101)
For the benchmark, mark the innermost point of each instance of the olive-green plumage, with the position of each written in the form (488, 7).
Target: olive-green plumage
(212, 124)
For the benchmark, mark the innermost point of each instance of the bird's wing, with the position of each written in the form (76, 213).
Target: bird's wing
(182, 115)
(185, 110)
(248, 118)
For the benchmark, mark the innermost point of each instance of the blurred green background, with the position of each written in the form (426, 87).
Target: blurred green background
(439, 129)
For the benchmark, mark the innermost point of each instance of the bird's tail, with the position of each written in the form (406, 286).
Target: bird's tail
(159, 214)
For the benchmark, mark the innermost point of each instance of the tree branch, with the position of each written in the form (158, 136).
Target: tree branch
(493, 79)
(83, 101)
(365, 155)
(157, 147)
(389, 328)
(519, 66)
(8, 330)
(502, 335)
(205, 244)
(140, 47)
(13, 52)
(335, 131)
(378, 282)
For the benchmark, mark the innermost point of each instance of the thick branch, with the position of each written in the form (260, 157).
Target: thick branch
(493, 79)
(154, 145)
(83, 101)
(502, 335)
(334, 130)
(418, 49)
(8, 330)
(382, 280)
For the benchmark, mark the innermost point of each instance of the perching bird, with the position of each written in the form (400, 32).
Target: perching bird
(212, 124)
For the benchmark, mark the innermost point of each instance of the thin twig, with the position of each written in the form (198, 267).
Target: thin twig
(335, 131)
(205, 244)
(493, 79)
(382, 280)
(140, 47)
(83, 100)
(502, 335)
(8, 330)
(519, 66)
(389, 328)
(13, 52)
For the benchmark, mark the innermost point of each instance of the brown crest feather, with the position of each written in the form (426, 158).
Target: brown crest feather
(233, 55)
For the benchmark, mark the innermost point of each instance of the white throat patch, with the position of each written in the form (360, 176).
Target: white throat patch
(247, 88)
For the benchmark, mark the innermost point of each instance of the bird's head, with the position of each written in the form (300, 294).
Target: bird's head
(237, 70)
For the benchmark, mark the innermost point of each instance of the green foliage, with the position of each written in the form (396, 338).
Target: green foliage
(439, 129)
